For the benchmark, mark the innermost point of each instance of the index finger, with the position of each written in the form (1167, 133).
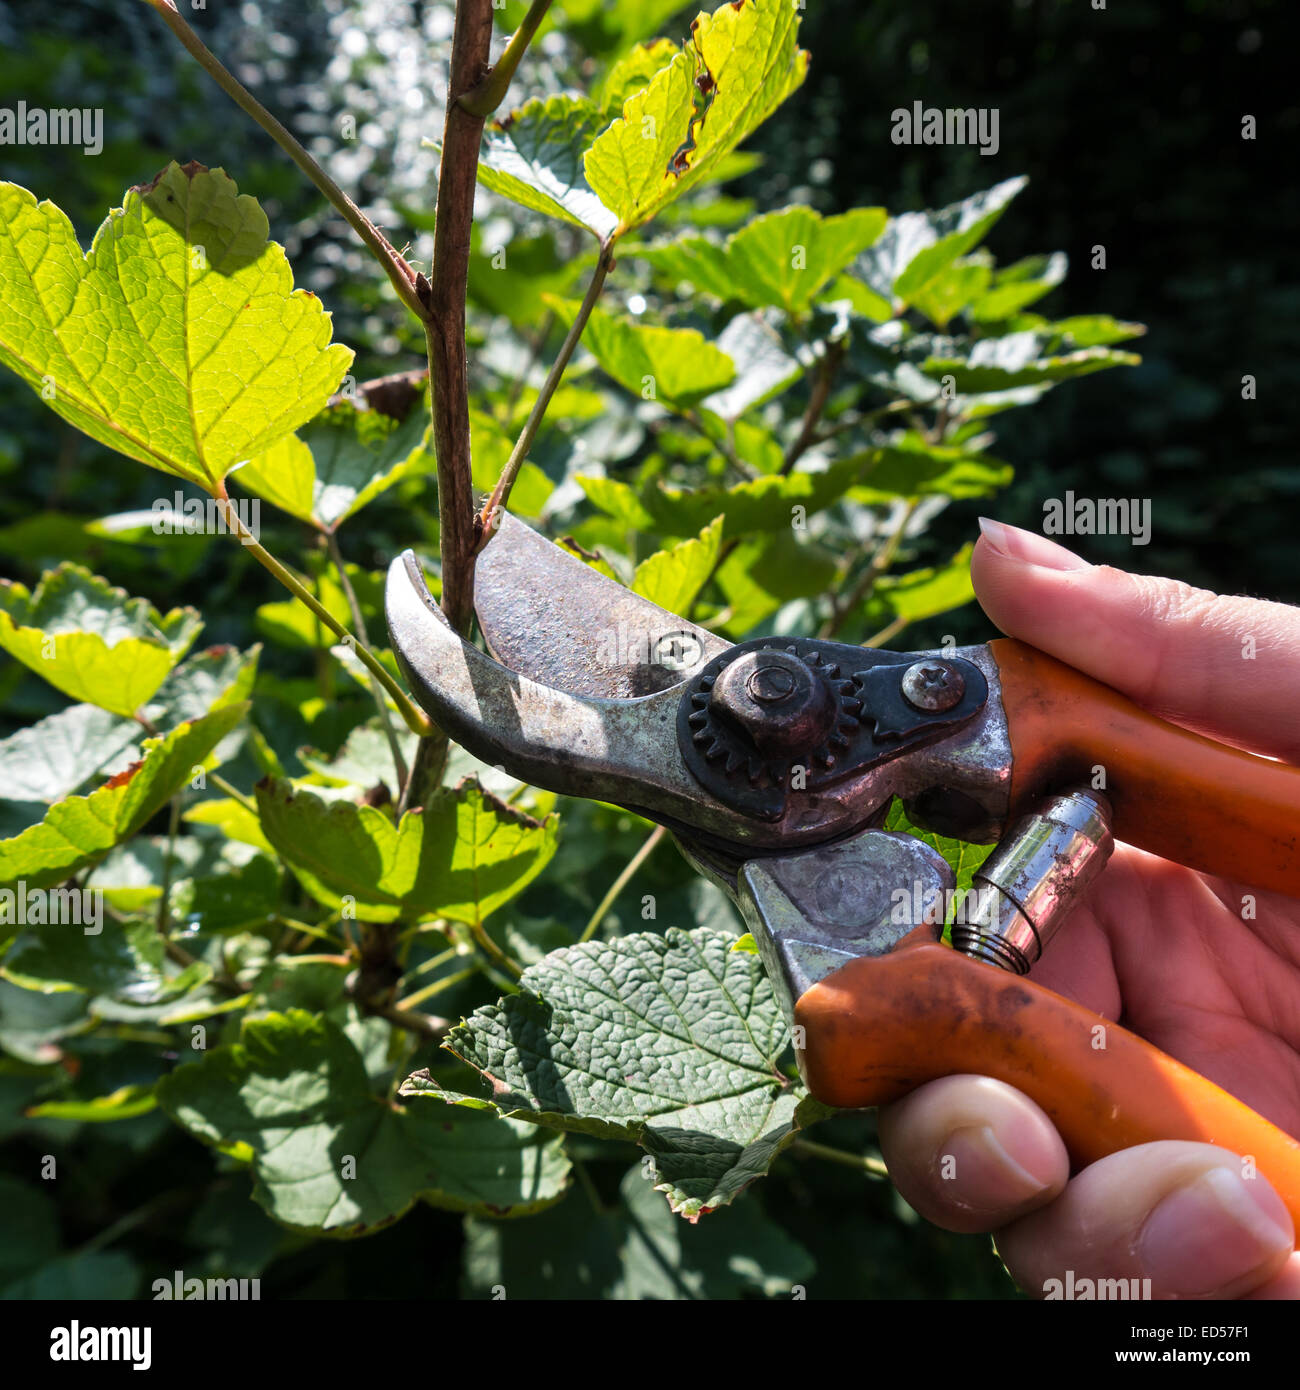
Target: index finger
(1224, 666)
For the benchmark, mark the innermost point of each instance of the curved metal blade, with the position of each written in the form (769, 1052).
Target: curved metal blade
(610, 750)
(552, 618)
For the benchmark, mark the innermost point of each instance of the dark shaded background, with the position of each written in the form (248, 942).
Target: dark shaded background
(1128, 121)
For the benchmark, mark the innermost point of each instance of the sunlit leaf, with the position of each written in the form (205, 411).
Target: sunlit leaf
(92, 641)
(179, 339)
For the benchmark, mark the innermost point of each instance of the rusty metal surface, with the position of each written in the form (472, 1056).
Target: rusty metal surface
(813, 912)
(547, 615)
(627, 750)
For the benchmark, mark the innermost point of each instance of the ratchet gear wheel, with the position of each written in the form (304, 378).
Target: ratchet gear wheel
(770, 709)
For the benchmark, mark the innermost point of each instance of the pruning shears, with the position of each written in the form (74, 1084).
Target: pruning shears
(773, 763)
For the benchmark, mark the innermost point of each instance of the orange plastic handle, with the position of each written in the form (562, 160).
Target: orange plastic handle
(881, 1026)
(1174, 793)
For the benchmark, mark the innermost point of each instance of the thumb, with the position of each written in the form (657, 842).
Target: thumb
(1228, 667)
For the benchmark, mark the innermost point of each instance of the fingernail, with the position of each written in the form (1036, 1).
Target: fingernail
(985, 1175)
(1016, 544)
(1211, 1233)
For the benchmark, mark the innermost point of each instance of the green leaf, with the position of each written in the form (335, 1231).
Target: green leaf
(673, 578)
(598, 27)
(926, 593)
(952, 290)
(633, 1251)
(763, 369)
(1094, 330)
(916, 247)
(490, 447)
(82, 829)
(79, 1277)
(90, 640)
(461, 857)
(52, 758)
(633, 71)
(123, 1104)
(1002, 364)
(207, 681)
(365, 760)
(179, 339)
(760, 504)
(128, 961)
(130, 876)
(511, 278)
(33, 1025)
(781, 260)
(290, 623)
(31, 1228)
(329, 1156)
(671, 1041)
(235, 821)
(912, 467)
(675, 366)
(672, 133)
(534, 157)
(343, 459)
(1017, 286)
(863, 300)
(767, 571)
(963, 857)
(244, 898)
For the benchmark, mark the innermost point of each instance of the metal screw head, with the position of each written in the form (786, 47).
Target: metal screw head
(784, 706)
(933, 686)
(770, 685)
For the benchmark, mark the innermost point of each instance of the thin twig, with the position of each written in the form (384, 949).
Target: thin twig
(888, 632)
(427, 767)
(169, 858)
(820, 394)
(415, 718)
(501, 959)
(489, 516)
(176, 952)
(423, 1025)
(395, 266)
(233, 792)
(726, 447)
(484, 98)
(428, 991)
(354, 606)
(880, 562)
(621, 882)
(534, 354)
(862, 1163)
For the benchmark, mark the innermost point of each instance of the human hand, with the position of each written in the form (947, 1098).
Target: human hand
(1160, 947)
